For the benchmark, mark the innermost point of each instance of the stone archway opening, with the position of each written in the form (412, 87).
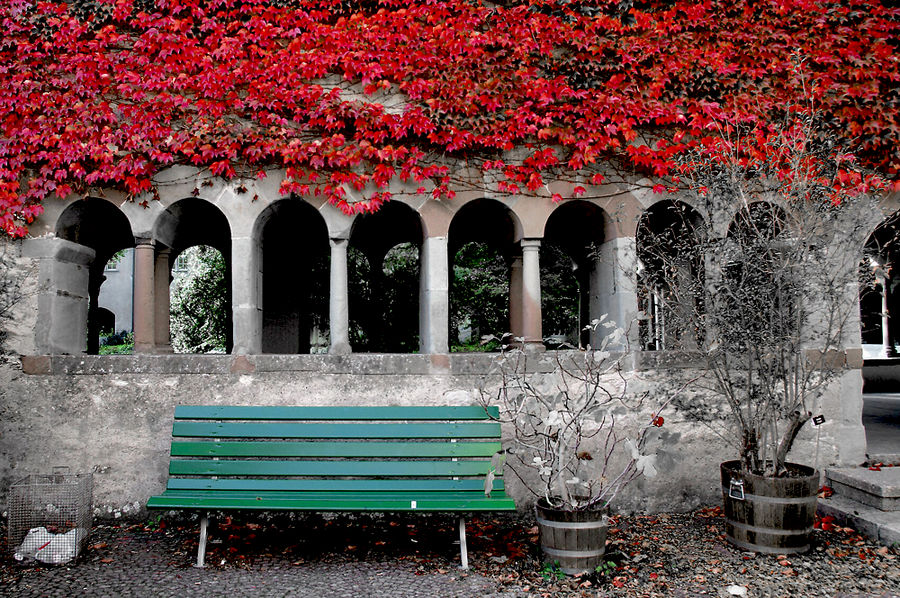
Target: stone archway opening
(879, 304)
(196, 232)
(485, 277)
(879, 291)
(572, 277)
(670, 284)
(101, 226)
(294, 270)
(384, 265)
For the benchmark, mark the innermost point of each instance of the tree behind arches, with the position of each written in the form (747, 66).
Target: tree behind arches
(198, 311)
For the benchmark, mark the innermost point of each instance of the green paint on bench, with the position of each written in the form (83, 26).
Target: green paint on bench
(282, 429)
(241, 412)
(333, 459)
(334, 449)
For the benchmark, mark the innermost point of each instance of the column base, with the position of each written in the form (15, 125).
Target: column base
(340, 349)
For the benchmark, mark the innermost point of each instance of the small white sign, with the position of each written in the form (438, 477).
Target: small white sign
(412, 504)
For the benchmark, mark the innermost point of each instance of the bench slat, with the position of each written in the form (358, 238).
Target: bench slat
(363, 502)
(336, 485)
(362, 413)
(334, 449)
(328, 468)
(191, 429)
(329, 495)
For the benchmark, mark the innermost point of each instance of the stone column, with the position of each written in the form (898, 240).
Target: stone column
(162, 338)
(434, 297)
(62, 296)
(144, 291)
(338, 311)
(613, 290)
(246, 296)
(887, 332)
(515, 297)
(531, 294)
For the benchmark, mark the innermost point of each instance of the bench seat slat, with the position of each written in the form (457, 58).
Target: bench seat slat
(363, 502)
(194, 429)
(333, 449)
(329, 495)
(336, 485)
(327, 468)
(350, 413)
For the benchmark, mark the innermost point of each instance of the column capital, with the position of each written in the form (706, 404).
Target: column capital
(144, 242)
(338, 241)
(530, 244)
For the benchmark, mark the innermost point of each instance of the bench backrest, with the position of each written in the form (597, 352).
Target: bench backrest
(284, 449)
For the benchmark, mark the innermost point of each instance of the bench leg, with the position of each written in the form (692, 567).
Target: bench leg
(201, 549)
(463, 551)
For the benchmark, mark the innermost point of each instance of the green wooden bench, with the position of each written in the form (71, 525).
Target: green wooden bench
(332, 459)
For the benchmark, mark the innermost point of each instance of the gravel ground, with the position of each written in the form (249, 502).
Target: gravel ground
(410, 556)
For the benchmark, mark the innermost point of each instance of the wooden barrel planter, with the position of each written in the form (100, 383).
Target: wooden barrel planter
(574, 539)
(769, 515)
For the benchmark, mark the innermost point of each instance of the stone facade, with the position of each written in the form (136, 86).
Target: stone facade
(112, 414)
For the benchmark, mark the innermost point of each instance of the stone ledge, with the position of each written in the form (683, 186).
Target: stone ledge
(882, 526)
(883, 484)
(353, 364)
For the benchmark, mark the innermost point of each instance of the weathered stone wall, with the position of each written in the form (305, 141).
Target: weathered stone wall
(112, 415)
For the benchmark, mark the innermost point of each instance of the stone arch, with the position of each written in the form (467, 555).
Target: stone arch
(763, 305)
(671, 278)
(101, 226)
(384, 301)
(183, 224)
(293, 246)
(572, 275)
(482, 245)
(879, 291)
(761, 218)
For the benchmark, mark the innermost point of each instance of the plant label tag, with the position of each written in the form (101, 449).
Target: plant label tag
(412, 504)
(736, 489)
(819, 420)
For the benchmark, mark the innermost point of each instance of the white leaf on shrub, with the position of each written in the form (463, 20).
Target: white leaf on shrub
(645, 464)
(554, 419)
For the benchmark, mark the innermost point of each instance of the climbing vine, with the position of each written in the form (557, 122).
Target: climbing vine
(352, 100)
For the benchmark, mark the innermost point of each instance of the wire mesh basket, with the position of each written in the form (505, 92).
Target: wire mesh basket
(49, 516)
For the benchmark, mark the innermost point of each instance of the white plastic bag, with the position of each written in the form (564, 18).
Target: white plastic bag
(48, 547)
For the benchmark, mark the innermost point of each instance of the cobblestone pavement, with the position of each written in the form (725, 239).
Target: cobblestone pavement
(407, 556)
(139, 561)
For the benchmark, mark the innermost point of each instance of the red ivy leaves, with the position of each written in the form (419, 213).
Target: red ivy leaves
(348, 100)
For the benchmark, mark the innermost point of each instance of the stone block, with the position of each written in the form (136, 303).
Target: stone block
(878, 489)
(241, 364)
(36, 364)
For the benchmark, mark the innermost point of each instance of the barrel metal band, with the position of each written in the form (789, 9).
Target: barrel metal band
(802, 500)
(768, 530)
(767, 549)
(572, 524)
(573, 553)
